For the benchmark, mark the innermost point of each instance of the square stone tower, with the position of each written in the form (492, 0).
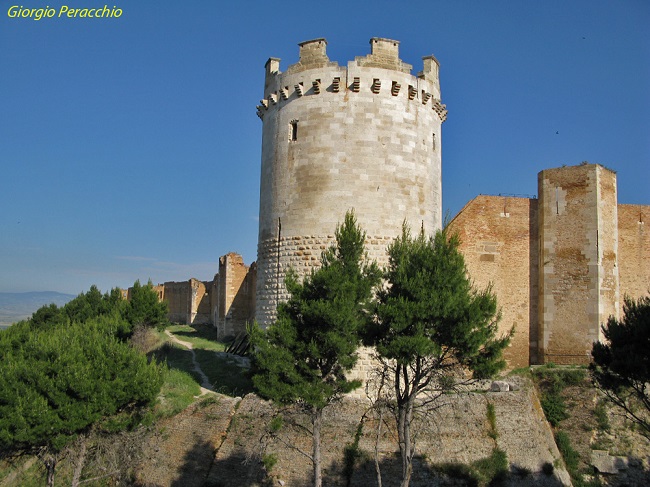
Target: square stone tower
(578, 260)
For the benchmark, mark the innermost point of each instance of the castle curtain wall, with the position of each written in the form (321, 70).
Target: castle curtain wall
(499, 242)
(634, 250)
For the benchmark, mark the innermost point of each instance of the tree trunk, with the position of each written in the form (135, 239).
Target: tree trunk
(317, 421)
(405, 414)
(50, 465)
(81, 458)
(377, 438)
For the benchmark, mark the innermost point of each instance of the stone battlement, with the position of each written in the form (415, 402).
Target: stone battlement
(314, 74)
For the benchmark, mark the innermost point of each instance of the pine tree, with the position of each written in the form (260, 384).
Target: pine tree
(57, 381)
(431, 328)
(303, 357)
(621, 365)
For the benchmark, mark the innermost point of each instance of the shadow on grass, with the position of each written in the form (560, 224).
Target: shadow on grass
(225, 373)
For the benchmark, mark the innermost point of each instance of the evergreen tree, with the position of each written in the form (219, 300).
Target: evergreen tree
(56, 382)
(144, 308)
(621, 365)
(431, 328)
(303, 357)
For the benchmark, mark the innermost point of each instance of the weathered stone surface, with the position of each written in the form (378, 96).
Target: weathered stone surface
(352, 140)
(499, 386)
(459, 432)
(606, 463)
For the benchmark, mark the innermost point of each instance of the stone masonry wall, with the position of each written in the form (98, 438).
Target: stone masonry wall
(634, 250)
(303, 253)
(200, 311)
(578, 280)
(177, 296)
(364, 137)
(236, 299)
(499, 243)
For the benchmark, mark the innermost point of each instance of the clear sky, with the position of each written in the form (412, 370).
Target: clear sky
(130, 148)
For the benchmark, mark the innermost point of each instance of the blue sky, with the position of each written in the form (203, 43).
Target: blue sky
(130, 148)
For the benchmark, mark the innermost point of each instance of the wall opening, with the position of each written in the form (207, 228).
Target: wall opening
(293, 130)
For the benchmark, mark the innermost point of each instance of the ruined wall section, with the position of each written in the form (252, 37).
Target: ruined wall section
(200, 310)
(578, 276)
(177, 297)
(499, 243)
(236, 295)
(365, 137)
(634, 250)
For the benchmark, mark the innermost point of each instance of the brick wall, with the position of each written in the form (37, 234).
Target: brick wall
(236, 295)
(499, 242)
(634, 250)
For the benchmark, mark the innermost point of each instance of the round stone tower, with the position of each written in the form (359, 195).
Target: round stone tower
(365, 137)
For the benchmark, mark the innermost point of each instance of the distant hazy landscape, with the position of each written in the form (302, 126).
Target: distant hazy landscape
(19, 306)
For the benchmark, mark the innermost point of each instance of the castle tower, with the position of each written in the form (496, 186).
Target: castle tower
(365, 137)
(578, 260)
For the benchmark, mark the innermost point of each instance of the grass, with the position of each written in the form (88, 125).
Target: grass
(224, 373)
(178, 391)
(203, 337)
(488, 471)
(552, 380)
(492, 421)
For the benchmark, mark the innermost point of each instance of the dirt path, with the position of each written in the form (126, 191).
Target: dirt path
(205, 382)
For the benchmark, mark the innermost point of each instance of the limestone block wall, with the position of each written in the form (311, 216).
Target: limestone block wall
(578, 273)
(499, 243)
(365, 137)
(177, 296)
(634, 250)
(236, 295)
(199, 297)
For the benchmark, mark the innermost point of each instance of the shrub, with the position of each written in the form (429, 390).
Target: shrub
(493, 468)
(269, 461)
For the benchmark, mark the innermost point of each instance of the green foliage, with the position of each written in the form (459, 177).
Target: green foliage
(224, 373)
(600, 413)
(569, 455)
(144, 308)
(61, 380)
(68, 369)
(492, 421)
(276, 423)
(303, 356)
(429, 310)
(552, 380)
(179, 390)
(431, 327)
(493, 469)
(621, 364)
(200, 336)
(269, 460)
(554, 408)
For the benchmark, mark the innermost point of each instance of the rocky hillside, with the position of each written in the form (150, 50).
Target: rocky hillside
(223, 441)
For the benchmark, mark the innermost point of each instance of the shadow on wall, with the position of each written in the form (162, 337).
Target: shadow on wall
(244, 467)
